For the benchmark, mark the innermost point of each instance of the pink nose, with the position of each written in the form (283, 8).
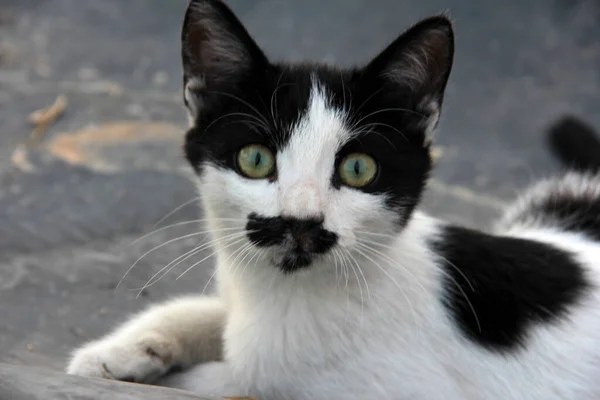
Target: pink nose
(302, 200)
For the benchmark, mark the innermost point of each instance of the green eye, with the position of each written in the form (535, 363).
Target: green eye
(358, 170)
(256, 161)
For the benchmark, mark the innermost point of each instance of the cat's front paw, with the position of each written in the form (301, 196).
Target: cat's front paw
(142, 360)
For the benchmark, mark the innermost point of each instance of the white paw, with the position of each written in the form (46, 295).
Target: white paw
(142, 360)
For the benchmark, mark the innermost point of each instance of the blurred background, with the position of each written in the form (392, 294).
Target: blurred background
(99, 163)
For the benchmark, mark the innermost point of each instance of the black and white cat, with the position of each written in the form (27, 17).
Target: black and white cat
(331, 283)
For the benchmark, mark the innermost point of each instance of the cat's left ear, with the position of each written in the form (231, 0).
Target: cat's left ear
(418, 64)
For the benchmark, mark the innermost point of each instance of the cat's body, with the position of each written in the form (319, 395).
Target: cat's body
(312, 338)
(330, 284)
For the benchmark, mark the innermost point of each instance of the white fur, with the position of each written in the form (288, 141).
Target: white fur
(372, 330)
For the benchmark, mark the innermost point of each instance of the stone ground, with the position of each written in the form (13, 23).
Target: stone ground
(110, 168)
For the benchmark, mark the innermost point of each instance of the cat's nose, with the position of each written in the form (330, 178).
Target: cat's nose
(302, 200)
(306, 233)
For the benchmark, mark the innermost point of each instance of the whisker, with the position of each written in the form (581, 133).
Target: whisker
(449, 276)
(260, 254)
(247, 252)
(389, 109)
(462, 274)
(438, 255)
(393, 263)
(372, 130)
(252, 124)
(206, 258)
(344, 93)
(361, 273)
(345, 270)
(182, 258)
(216, 270)
(441, 270)
(166, 243)
(335, 261)
(244, 250)
(367, 100)
(387, 235)
(274, 97)
(346, 262)
(391, 279)
(264, 120)
(193, 221)
(258, 121)
(209, 280)
(187, 203)
(362, 299)
(238, 251)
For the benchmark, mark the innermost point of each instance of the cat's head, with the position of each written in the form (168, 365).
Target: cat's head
(307, 158)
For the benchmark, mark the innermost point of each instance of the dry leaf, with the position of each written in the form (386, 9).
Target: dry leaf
(42, 119)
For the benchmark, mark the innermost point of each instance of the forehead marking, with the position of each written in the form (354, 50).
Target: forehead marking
(306, 163)
(317, 136)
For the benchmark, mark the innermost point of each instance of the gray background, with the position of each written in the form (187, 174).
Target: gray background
(65, 227)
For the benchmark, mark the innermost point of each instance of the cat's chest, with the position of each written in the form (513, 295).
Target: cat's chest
(319, 344)
(322, 362)
(288, 338)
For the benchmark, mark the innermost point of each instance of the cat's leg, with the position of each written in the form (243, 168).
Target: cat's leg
(177, 333)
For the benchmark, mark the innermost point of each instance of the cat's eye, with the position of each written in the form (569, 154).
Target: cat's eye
(256, 161)
(357, 170)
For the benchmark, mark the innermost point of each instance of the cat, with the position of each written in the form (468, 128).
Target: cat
(331, 282)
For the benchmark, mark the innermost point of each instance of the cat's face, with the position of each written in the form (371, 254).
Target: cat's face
(309, 159)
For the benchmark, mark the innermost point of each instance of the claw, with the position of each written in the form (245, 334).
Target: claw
(106, 372)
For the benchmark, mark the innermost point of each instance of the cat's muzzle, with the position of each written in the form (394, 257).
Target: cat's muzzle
(296, 242)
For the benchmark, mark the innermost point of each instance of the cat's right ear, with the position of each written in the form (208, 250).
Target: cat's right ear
(217, 53)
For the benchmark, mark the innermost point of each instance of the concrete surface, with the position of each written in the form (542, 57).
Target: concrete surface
(27, 383)
(110, 168)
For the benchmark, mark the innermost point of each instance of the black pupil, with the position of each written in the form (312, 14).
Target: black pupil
(257, 160)
(356, 167)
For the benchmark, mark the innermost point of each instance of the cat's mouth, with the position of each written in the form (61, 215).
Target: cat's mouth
(296, 243)
(291, 261)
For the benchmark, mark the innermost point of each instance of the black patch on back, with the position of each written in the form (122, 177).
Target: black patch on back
(497, 288)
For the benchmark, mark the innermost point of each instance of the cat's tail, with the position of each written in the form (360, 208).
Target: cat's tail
(572, 201)
(576, 144)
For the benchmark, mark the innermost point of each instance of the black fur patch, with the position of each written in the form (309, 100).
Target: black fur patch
(498, 287)
(301, 239)
(579, 214)
(265, 232)
(261, 110)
